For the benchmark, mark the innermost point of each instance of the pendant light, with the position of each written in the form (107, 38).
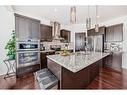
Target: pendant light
(97, 25)
(88, 21)
(73, 14)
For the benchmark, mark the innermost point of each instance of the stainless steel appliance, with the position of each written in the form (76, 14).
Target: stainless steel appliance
(96, 43)
(27, 53)
(56, 32)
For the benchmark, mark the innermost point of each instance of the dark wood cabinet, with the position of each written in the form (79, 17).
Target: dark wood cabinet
(101, 31)
(93, 71)
(66, 34)
(114, 61)
(117, 61)
(78, 80)
(92, 32)
(26, 28)
(35, 29)
(114, 33)
(46, 32)
(108, 61)
(118, 32)
(109, 34)
(80, 41)
(22, 27)
(43, 58)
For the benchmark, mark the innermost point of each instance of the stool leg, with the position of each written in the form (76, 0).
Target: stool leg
(7, 69)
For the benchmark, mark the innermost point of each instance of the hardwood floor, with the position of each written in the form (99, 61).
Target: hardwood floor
(108, 79)
(26, 82)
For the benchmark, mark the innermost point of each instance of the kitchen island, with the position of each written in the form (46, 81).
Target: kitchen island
(77, 70)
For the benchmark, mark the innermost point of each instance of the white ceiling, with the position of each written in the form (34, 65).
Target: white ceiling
(62, 13)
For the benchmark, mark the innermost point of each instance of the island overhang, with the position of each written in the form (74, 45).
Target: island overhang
(77, 61)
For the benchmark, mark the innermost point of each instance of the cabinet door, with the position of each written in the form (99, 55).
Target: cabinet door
(42, 32)
(118, 32)
(66, 35)
(22, 28)
(109, 34)
(35, 29)
(109, 61)
(46, 33)
(43, 60)
(91, 32)
(101, 30)
(117, 61)
(26, 28)
(93, 71)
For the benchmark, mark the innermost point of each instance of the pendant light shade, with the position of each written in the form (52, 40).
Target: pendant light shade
(88, 21)
(73, 14)
(96, 25)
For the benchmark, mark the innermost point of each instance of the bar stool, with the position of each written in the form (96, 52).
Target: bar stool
(46, 79)
(10, 64)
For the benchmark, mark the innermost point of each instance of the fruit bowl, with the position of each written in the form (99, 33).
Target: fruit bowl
(64, 53)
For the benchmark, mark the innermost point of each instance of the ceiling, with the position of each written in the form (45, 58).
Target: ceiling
(62, 13)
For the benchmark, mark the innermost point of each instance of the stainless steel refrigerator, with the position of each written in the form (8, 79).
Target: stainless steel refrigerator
(95, 43)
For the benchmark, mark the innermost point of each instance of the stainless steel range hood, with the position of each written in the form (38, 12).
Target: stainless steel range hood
(56, 32)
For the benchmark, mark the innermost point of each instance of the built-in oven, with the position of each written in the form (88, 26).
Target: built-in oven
(27, 58)
(27, 53)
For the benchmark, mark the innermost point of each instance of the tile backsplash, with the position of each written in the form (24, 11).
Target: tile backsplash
(48, 44)
(113, 46)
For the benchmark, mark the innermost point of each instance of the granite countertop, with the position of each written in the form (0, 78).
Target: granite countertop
(77, 61)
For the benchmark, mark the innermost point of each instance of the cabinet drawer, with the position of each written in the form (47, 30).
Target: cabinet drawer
(25, 70)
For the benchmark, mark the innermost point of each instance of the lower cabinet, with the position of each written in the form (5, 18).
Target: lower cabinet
(26, 70)
(43, 58)
(108, 61)
(78, 80)
(114, 61)
(94, 70)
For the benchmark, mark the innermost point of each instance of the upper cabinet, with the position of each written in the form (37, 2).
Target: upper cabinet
(26, 28)
(118, 32)
(92, 32)
(46, 32)
(66, 34)
(35, 32)
(114, 33)
(109, 34)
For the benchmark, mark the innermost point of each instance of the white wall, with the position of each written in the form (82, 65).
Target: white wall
(117, 21)
(6, 27)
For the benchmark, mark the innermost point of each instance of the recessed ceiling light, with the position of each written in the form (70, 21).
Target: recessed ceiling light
(98, 16)
(55, 10)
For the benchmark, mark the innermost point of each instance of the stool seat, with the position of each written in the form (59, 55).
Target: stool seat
(46, 79)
